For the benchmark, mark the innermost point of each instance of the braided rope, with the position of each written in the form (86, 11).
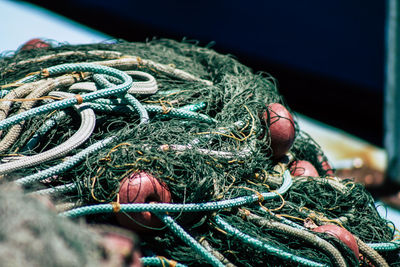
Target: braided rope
(187, 207)
(272, 250)
(390, 246)
(216, 253)
(83, 86)
(130, 61)
(102, 53)
(298, 233)
(173, 113)
(137, 106)
(117, 89)
(241, 154)
(185, 237)
(147, 87)
(66, 165)
(44, 128)
(88, 121)
(371, 254)
(159, 261)
(41, 90)
(19, 92)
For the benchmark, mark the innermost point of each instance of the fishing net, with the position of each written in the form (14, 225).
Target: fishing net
(192, 128)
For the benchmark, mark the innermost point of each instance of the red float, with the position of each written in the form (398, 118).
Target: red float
(303, 168)
(340, 233)
(325, 165)
(35, 43)
(281, 129)
(142, 187)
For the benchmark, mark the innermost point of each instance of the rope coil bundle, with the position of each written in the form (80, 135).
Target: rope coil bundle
(178, 118)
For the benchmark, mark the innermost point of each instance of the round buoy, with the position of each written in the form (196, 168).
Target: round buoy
(34, 44)
(142, 187)
(281, 129)
(303, 168)
(340, 233)
(326, 166)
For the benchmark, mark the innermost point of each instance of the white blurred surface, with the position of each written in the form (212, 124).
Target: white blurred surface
(20, 22)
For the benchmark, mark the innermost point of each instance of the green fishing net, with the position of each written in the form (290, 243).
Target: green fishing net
(223, 155)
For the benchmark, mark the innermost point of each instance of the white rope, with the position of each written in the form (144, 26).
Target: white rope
(147, 87)
(88, 120)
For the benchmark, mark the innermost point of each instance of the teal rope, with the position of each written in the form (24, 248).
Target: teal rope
(111, 101)
(188, 207)
(103, 81)
(165, 93)
(272, 250)
(156, 261)
(173, 113)
(72, 161)
(122, 102)
(185, 237)
(144, 116)
(46, 126)
(117, 89)
(180, 113)
(389, 246)
(194, 107)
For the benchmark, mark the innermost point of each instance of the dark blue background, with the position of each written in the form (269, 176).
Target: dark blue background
(328, 56)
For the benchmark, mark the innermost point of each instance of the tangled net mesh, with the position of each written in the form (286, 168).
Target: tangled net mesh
(185, 153)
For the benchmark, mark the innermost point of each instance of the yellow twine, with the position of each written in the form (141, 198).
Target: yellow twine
(171, 263)
(282, 204)
(112, 150)
(231, 135)
(352, 185)
(116, 205)
(260, 196)
(45, 73)
(227, 189)
(290, 216)
(320, 216)
(31, 99)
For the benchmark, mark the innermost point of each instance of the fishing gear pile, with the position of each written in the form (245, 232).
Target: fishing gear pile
(189, 149)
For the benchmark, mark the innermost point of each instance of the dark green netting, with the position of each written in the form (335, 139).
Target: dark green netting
(235, 99)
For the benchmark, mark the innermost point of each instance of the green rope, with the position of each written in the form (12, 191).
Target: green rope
(265, 247)
(117, 89)
(71, 162)
(157, 261)
(188, 207)
(178, 231)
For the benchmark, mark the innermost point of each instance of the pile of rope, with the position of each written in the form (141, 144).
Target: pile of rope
(180, 144)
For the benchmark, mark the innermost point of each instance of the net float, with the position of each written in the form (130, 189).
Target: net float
(303, 168)
(340, 233)
(281, 129)
(141, 187)
(35, 43)
(325, 165)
